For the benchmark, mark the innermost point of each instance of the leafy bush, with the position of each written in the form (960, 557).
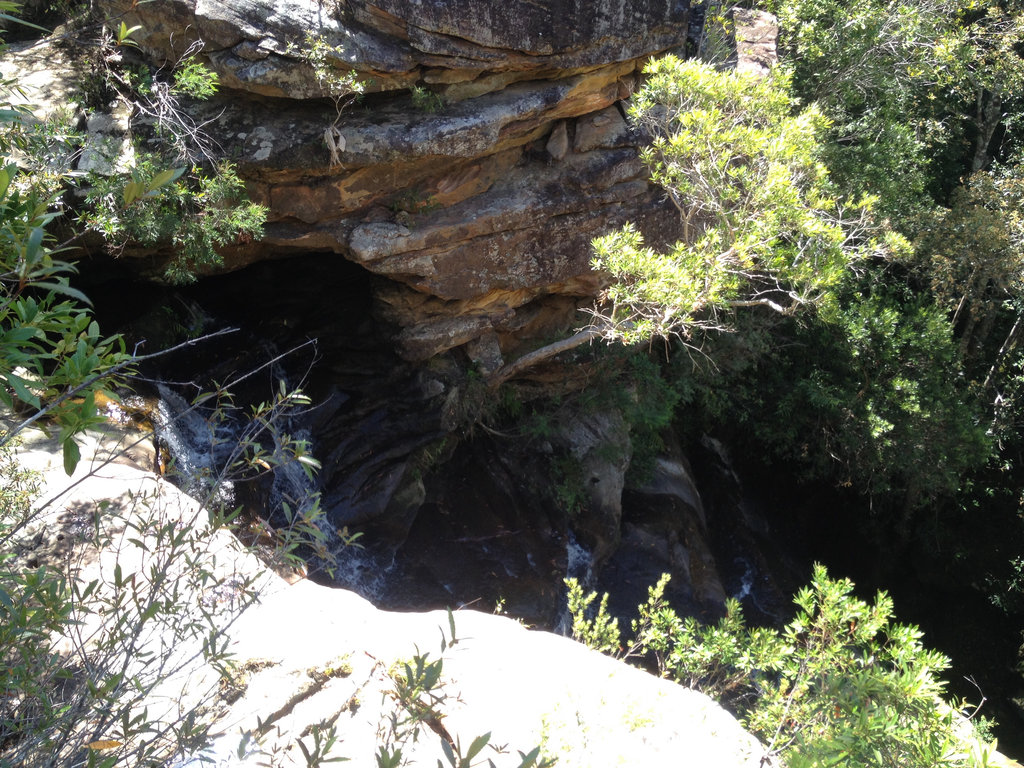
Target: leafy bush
(196, 214)
(600, 631)
(426, 100)
(193, 79)
(759, 228)
(180, 196)
(873, 400)
(841, 684)
(53, 359)
(92, 642)
(83, 657)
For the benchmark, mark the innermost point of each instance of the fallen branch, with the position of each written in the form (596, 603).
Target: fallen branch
(530, 359)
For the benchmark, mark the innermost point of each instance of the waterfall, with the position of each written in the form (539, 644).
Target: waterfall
(579, 561)
(746, 580)
(202, 443)
(199, 444)
(579, 566)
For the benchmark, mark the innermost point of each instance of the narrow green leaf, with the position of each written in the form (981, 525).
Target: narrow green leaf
(125, 32)
(65, 290)
(34, 245)
(478, 744)
(22, 22)
(6, 176)
(448, 752)
(19, 335)
(451, 626)
(530, 758)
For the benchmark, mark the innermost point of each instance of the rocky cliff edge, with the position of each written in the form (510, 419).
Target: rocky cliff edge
(306, 656)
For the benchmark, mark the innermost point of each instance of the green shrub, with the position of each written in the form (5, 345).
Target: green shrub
(594, 628)
(426, 100)
(195, 213)
(194, 79)
(181, 195)
(53, 359)
(841, 684)
(759, 226)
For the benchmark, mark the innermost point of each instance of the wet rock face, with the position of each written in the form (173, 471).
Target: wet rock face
(665, 530)
(482, 200)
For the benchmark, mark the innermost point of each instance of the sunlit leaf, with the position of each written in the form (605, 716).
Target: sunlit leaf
(104, 744)
(165, 177)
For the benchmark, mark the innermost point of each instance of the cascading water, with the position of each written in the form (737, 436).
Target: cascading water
(579, 566)
(199, 444)
(580, 561)
(746, 580)
(205, 446)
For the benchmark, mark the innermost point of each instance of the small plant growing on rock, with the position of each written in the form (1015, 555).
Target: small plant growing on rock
(324, 741)
(194, 79)
(426, 100)
(595, 629)
(419, 691)
(156, 95)
(343, 88)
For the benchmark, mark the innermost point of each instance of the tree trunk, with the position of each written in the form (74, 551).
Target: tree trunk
(530, 359)
(988, 115)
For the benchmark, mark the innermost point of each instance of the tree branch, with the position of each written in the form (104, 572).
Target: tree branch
(760, 302)
(530, 359)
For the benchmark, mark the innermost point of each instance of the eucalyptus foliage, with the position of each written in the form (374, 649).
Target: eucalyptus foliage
(760, 227)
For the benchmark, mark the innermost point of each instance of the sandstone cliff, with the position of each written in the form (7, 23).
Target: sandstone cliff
(467, 185)
(479, 204)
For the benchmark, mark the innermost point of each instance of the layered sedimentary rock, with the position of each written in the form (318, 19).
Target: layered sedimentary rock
(475, 198)
(490, 148)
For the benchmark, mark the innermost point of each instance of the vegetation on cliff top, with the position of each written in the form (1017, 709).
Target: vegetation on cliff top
(841, 684)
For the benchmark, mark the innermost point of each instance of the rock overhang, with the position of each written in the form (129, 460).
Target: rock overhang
(486, 201)
(257, 46)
